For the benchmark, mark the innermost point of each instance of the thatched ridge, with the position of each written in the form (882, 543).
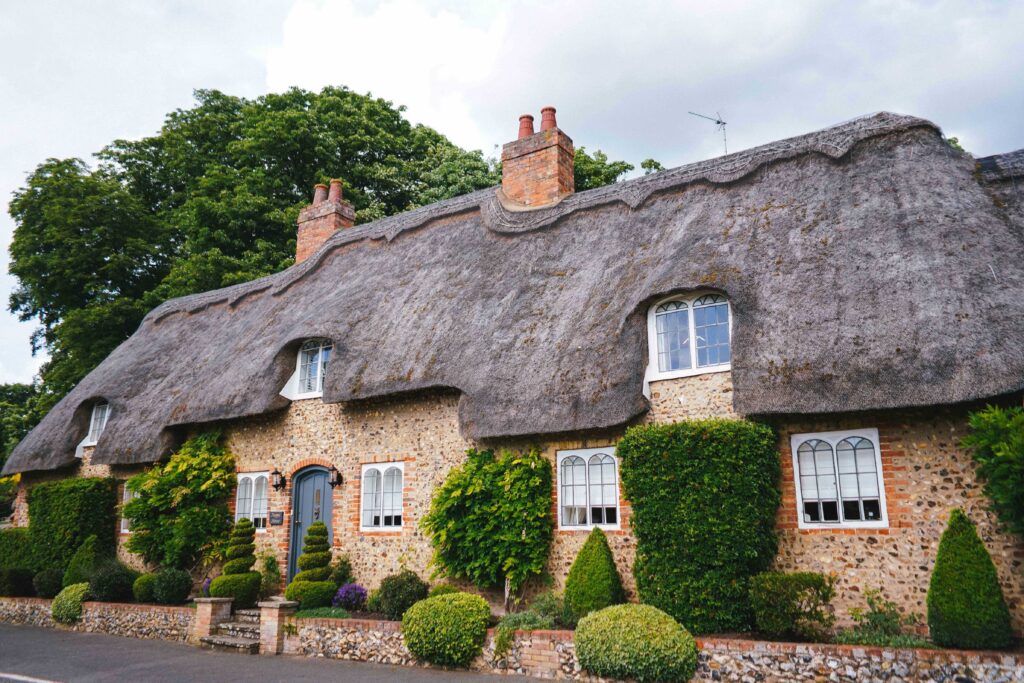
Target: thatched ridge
(869, 266)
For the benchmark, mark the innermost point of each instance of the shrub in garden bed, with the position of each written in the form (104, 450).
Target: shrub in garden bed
(111, 581)
(172, 586)
(593, 582)
(639, 642)
(48, 582)
(351, 596)
(399, 592)
(142, 588)
(16, 583)
(442, 589)
(447, 629)
(312, 587)
(323, 613)
(880, 625)
(238, 581)
(796, 605)
(270, 573)
(83, 562)
(67, 606)
(341, 572)
(966, 608)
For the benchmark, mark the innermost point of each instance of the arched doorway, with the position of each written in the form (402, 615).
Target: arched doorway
(311, 502)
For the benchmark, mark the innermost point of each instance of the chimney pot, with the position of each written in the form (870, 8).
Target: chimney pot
(335, 193)
(547, 118)
(525, 126)
(319, 193)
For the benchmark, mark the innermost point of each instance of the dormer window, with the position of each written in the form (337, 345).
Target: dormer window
(311, 367)
(689, 335)
(98, 422)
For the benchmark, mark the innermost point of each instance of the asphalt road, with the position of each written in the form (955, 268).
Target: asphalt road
(39, 655)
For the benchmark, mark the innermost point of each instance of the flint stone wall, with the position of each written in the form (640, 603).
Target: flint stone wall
(153, 622)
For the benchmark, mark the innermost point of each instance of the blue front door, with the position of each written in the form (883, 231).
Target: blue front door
(311, 502)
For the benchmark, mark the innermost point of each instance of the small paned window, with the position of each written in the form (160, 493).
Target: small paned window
(313, 359)
(251, 498)
(98, 421)
(838, 477)
(690, 335)
(382, 496)
(588, 488)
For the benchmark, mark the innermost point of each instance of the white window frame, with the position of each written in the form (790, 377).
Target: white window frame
(832, 439)
(293, 387)
(253, 478)
(127, 495)
(653, 374)
(381, 468)
(97, 422)
(585, 454)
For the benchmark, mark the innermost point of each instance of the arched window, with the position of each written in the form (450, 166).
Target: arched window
(313, 358)
(604, 494)
(588, 489)
(251, 498)
(382, 496)
(689, 335)
(574, 491)
(837, 476)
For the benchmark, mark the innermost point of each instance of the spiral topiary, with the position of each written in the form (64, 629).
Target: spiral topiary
(312, 587)
(238, 581)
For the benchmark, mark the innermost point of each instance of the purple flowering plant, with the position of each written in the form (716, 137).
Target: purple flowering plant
(351, 596)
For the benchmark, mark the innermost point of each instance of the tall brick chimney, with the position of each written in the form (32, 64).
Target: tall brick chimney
(326, 215)
(537, 169)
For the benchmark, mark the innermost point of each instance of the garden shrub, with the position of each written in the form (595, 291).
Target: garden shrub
(270, 571)
(64, 513)
(550, 605)
(504, 633)
(112, 581)
(593, 582)
(399, 592)
(490, 522)
(323, 613)
(448, 630)
(997, 443)
(442, 589)
(143, 588)
(373, 601)
(67, 606)
(639, 642)
(796, 604)
(704, 495)
(966, 608)
(341, 572)
(312, 587)
(351, 596)
(880, 625)
(172, 586)
(238, 581)
(48, 582)
(83, 563)
(16, 582)
(16, 549)
(180, 510)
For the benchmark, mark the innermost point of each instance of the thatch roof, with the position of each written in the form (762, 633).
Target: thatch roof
(868, 266)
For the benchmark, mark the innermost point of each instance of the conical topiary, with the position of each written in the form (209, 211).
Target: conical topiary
(238, 581)
(312, 586)
(966, 608)
(83, 563)
(593, 582)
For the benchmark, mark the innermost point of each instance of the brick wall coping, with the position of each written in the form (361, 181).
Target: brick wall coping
(28, 601)
(126, 606)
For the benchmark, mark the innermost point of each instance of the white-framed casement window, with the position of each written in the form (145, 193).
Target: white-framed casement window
(588, 488)
(310, 368)
(127, 496)
(251, 498)
(381, 507)
(97, 423)
(839, 480)
(689, 335)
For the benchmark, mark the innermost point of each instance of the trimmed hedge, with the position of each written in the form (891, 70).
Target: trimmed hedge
(16, 583)
(238, 581)
(172, 586)
(66, 512)
(66, 608)
(704, 495)
(797, 604)
(639, 642)
(593, 582)
(83, 563)
(142, 589)
(16, 549)
(310, 594)
(312, 587)
(112, 581)
(966, 608)
(48, 582)
(399, 592)
(448, 630)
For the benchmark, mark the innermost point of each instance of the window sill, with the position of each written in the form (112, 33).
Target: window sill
(306, 397)
(828, 526)
(381, 529)
(591, 527)
(657, 376)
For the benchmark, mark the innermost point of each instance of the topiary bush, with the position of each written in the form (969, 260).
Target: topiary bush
(966, 608)
(143, 587)
(65, 513)
(448, 630)
(16, 549)
(111, 581)
(238, 581)
(67, 606)
(797, 604)
(593, 582)
(638, 642)
(48, 582)
(351, 596)
(172, 586)
(16, 582)
(690, 563)
(312, 587)
(399, 592)
(83, 563)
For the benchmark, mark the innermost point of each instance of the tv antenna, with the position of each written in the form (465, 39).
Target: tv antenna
(719, 124)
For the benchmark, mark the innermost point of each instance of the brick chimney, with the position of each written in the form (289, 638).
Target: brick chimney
(326, 215)
(537, 169)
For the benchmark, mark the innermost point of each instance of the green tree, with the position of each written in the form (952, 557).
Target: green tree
(18, 414)
(997, 443)
(596, 171)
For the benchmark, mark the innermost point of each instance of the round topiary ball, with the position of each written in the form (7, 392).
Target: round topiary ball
(447, 629)
(142, 589)
(67, 606)
(399, 592)
(112, 581)
(635, 641)
(172, 586)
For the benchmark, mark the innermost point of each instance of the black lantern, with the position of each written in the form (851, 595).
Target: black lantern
(277, 480)
(334, 477)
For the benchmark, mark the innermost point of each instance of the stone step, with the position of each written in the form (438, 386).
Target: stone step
(247, 616)
(244, 646)
(238, 629)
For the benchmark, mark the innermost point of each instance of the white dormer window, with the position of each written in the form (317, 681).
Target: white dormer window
(311, 368)
(689, 335)
(98, 422)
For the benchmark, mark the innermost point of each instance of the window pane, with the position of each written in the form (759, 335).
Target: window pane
(574, 491)
(872, 509)
(851, 510)
(711, 328)
(243, 501)
(259, 503)
(371, 497)
(392, 504)
(830, 511)
(812, 512)
(673, 330)
(848, 486)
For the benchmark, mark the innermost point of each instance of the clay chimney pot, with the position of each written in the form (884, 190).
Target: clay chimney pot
(335, 193)
(525, 126)
(319, 193)
(547, 118)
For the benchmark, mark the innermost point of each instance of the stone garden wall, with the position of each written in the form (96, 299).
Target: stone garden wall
(157, 622)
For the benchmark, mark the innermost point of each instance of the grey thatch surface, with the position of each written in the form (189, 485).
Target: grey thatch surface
(867, 267)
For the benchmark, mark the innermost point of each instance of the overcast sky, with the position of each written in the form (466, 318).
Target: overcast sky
(76, 75)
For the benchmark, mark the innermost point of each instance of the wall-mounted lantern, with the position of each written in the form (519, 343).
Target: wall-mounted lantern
(334, 477)
(277, 480)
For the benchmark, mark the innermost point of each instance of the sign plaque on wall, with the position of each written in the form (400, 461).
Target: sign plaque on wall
(276, 517)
